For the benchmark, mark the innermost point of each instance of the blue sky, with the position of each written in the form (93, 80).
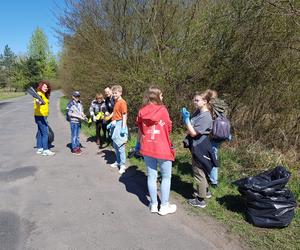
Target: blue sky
(19, 19)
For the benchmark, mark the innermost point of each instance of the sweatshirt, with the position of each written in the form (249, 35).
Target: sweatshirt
(155, 126)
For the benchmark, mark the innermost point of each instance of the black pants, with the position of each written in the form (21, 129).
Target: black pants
(100, 126)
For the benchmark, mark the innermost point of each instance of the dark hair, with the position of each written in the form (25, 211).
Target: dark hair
(39, 88)
(152, 95)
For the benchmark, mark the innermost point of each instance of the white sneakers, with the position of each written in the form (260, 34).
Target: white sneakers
(48, 153)
(167, 209)
(154, 208)
(114, 165)
(122, 169)
(164, 209)
(39, 151)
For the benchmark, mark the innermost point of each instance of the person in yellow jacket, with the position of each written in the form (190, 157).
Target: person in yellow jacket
(41, 112)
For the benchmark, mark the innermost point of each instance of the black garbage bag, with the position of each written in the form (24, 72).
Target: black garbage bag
(50, 135)
(269, 211)
(266, 182)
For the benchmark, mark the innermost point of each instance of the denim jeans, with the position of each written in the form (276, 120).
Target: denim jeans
(42, 133)
(166, 172)
(214, 172)
(75, 130)
(120, 154)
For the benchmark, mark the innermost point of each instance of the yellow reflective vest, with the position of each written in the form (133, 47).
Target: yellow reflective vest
(41, 110)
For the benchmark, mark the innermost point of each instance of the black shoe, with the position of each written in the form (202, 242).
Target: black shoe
(214, 185)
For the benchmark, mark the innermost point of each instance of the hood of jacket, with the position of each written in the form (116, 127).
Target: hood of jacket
(151, 113)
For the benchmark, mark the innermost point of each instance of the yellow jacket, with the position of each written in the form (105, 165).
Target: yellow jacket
(41, 110)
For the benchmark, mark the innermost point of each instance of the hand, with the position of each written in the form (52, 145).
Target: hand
(137, 147)
(185, 116)
(94, 118)
(123, 131)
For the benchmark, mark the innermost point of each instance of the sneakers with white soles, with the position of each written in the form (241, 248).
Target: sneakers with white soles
(122, 169)
(39, 151)
(153, 208)
(167, 209)
(114, 165)
(48, 153)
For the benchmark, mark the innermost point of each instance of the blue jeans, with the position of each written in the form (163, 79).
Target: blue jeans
(166, 172)
(214, 172)
(75, 130)
(42, 133)
(120, 154)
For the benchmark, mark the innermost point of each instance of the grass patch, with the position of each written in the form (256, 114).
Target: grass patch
(226, 205)
(7, 95)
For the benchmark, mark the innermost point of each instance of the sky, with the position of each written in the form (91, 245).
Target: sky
(19, 19)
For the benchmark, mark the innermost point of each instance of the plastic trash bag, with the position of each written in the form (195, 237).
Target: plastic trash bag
(268, 203)
(275, 210)
(266, 182)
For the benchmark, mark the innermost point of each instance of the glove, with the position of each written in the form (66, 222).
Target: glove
(137, 147)
(94, 118)
(185, 116)
(123, 131)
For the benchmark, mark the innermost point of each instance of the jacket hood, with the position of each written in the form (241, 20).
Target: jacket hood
(151, 113)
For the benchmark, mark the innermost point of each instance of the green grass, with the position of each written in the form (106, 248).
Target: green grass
(7, 95)
(226, 205)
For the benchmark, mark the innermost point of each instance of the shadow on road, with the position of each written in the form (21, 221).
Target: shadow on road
(108, 156)
(135, 182)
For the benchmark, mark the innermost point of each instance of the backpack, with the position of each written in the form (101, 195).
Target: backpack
(68, 118)
(221, 129)
(221, 125)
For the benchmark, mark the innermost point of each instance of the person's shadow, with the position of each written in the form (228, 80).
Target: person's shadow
(108, 156)
(135, 182)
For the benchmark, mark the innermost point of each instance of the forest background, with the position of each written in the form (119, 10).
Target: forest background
(247, 50)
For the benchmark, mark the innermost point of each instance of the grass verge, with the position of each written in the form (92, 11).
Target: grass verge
(7, 95)
(237, 161)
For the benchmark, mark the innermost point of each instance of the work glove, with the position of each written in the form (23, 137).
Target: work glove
(185, 116)
(94, 118)
(137, 147)
(123, 131)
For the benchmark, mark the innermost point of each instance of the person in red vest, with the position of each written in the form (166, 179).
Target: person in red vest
(155, 145)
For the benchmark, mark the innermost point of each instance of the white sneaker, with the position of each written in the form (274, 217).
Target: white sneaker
(114, 165)
(39, 151)
(153, 208)
(48, 153)
(122, 169)
(167, 209)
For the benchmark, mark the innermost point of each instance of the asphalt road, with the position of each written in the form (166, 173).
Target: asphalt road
(79, 202)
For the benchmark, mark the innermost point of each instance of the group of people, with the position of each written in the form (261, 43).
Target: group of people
(153, 142)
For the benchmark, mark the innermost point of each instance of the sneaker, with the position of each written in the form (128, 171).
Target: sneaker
(208, 194)
(114, 165)
(48, 153)
(167, 209)
(122, 169)
(153, 208)
(214, 185)
(76, 151)
(39, 151)
(197, 203)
